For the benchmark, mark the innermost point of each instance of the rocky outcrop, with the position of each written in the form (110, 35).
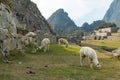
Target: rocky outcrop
(28, 14)
(7, 19)
(8, 30)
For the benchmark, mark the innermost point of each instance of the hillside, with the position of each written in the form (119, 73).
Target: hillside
(30, 17)
(113, 13)
(60, 63)
(62, 23)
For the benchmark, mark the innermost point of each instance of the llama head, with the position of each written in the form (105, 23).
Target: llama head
(98, 66)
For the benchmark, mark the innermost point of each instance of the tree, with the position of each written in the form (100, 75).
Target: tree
(105, 25)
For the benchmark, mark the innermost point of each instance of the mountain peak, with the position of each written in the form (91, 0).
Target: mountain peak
(61, 22)
(60, 10)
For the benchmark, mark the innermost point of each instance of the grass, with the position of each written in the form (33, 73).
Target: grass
(106, 43)
(60, 63)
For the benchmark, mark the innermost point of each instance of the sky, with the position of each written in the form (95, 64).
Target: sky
(80, 11)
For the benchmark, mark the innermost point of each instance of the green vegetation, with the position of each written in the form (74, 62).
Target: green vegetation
(90, 27)
(6, 2)
(106, 43)
(105, 25)
(60, 63)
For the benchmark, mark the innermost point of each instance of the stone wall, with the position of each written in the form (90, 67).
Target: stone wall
(101, 34)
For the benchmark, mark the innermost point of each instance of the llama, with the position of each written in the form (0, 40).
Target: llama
(92, 57)
(63, 41)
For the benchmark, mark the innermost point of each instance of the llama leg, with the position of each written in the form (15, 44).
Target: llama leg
(45, 49)
(91, 62)
(59, 43)
(81, 59)
(81, 62)
(48, 47)
(91, 65)
(66, 45)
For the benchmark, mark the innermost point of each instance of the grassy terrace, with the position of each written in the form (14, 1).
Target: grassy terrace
(60, 63)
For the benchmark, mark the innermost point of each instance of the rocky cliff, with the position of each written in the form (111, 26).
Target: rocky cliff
(7, 20)
(30, 17)
(113, 13)
(8, 30)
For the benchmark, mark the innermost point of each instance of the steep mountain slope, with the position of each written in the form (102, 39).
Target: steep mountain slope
(62, 23)
(113, 13)
(30, 17)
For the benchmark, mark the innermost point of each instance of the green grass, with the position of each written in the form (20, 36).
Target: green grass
(106, 43)
(60, 63)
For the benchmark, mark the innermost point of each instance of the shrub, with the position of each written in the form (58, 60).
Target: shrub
(7, 2)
